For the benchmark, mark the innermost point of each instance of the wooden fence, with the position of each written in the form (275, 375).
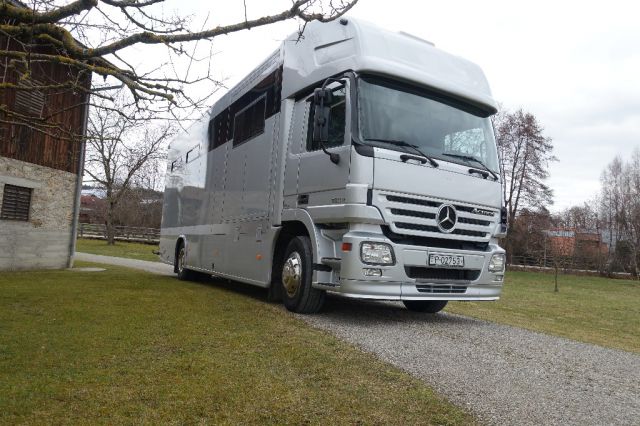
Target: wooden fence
(565, 265)
(122, 233)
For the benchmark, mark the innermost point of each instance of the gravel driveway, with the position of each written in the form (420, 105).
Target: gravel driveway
(504, 375)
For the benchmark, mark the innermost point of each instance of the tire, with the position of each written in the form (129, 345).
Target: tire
(426, 306)
(295, 278)
(184, 274)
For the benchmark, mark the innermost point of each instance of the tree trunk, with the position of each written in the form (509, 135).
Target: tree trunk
(111, 235)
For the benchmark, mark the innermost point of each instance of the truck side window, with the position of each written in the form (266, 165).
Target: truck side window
(336, 121)
(219, 129)
(249, 122)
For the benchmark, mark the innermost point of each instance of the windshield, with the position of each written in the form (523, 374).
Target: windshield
(393, 112)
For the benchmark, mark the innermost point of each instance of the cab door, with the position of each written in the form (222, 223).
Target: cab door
(320, 181)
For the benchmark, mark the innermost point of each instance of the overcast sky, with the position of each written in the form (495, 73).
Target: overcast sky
(574, 64)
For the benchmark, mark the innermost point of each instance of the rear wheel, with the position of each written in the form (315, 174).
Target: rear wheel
(427, 306)
(184, 274)
(297, 293)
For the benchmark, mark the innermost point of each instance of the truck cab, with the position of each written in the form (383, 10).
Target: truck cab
(412, 208)
(411, 200)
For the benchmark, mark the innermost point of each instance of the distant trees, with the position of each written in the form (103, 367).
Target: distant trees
(525, 154)
(527, 231)
(141, 207)
(603, 234)
(579, 217)
(620, 210)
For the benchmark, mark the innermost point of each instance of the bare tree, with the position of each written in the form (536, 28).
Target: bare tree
(525, 154)
(95, 37)
(119, 150)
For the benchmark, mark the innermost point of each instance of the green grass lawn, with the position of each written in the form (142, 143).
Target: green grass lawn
(589, 309)
(122, 346)
(137, 251)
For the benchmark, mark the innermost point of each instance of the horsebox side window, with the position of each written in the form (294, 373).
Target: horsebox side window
(249, 122)
(219, 129)
(16, 203)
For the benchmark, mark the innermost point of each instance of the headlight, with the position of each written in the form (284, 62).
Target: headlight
(377, 254)
(496, 264)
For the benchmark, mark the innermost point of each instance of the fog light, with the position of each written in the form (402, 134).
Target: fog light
(498, 278)
(377, 254)
(496, 264)
(371, 272)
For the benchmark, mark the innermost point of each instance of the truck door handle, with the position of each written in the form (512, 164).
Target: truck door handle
(405, 157)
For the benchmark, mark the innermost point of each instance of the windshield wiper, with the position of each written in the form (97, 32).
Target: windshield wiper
(433, 162)
(470, 158)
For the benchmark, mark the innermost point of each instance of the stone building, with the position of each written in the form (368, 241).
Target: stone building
(40, 171)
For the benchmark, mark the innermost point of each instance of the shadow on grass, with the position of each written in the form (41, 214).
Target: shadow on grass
(372, 311)
(252, 291)
(342, 308)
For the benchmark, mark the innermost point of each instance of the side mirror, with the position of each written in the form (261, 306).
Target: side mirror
(321, 102)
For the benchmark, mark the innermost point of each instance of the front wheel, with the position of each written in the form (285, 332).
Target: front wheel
(297, 293)
(426, 306)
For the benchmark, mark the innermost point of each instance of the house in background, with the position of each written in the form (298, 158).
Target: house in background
(571, 242)
(92, 209)
(40, 172)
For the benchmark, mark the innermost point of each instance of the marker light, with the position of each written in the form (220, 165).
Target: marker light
(372, 272)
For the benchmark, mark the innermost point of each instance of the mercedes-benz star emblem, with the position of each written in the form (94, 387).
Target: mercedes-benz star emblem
(447, 218)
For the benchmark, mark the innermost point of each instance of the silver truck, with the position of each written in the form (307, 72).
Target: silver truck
(353, 160)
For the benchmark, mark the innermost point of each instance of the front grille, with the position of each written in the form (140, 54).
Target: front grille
(428, 228)
(415, 217)
(416, 201)
(415, 240)
(412, 213)
(474, 221)
(441, 288)
(444, 274)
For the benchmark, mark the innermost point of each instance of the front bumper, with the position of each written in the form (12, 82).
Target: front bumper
(395, 282)
(390, 290)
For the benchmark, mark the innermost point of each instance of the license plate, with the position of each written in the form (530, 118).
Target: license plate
(450, 260)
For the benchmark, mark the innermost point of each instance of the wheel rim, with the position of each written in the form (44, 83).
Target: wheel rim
(292, 274)
(181, 260)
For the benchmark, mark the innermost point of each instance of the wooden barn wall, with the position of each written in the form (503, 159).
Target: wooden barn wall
(64, 108)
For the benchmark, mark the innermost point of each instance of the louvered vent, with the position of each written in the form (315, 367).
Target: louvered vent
(16, 202)
(30, 101)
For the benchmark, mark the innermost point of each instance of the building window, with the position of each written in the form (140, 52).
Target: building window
(16, 202)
